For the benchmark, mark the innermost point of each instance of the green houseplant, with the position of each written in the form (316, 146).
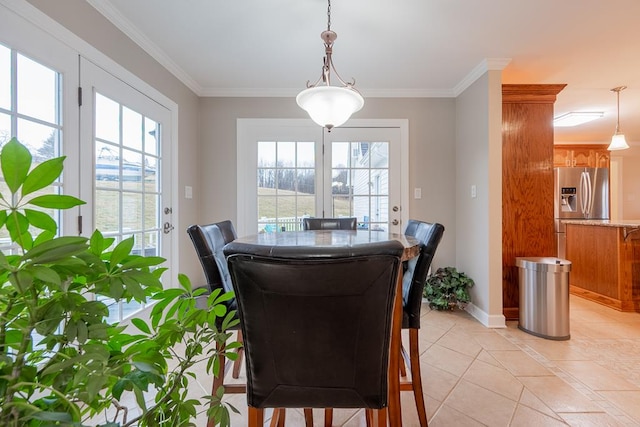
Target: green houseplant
(61, 361)
(447, 288)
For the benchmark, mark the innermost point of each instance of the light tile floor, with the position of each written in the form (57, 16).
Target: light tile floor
(474, 376)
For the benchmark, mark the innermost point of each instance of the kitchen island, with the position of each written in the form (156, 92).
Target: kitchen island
(605, 258)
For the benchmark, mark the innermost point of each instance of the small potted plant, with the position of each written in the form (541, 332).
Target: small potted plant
(447, 288)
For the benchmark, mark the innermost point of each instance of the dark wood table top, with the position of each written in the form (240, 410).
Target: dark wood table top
(332, 238)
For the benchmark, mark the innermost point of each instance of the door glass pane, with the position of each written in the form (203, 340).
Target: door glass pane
(5, 77)
(107, 119)
(286, 184)
(5, 128)
(127, 187)
(360, 182)
(37, 90)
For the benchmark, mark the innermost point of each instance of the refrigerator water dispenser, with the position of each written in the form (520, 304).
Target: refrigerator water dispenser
(568, 202)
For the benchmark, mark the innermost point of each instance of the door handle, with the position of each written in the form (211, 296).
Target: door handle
(167, 227)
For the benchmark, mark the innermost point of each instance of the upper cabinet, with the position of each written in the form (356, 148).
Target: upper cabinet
(593, 156)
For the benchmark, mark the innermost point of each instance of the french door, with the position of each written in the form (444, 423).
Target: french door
(289, 169)
(125, 167)
(38, 76)
(362, 176)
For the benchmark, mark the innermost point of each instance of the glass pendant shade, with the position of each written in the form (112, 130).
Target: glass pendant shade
(618, 142)
(330, 106)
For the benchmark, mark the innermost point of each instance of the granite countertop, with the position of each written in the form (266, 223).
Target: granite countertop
(605, 222)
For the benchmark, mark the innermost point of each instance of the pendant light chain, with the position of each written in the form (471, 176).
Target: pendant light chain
(617, 90)
(618, 120)
(329, 16)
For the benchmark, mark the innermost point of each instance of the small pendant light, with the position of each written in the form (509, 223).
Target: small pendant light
(618, 141)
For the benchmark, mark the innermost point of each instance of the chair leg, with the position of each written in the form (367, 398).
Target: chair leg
(237, 364)
(368, 416)
(380, 418)
(328, 417)
(278, 417)
(308, 417)
(416, 379)
(403, 371)
(376, 417)
(256, 417)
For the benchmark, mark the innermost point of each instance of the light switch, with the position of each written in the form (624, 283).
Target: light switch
(417, 193)
(188, 192)
(473, 191)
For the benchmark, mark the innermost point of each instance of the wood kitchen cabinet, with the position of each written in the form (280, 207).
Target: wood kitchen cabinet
(605, 262)
(590, 156)
(527, 182)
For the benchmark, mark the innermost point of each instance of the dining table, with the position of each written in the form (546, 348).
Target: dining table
(309, 241)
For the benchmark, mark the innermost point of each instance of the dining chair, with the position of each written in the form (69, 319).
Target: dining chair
(208, 241)
(346, 223)
(413, 282)
(316, 326)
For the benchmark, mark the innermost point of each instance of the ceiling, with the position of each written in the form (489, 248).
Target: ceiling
(401, 48)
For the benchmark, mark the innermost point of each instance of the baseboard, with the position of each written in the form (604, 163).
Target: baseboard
(490, 321)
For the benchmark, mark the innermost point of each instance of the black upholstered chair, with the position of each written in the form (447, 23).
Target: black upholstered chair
(316, 326)
(347, 223)
(208, 241)
(413, 284)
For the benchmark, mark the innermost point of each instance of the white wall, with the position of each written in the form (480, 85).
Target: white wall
(626, 189)
(431, 151)
(479, 218)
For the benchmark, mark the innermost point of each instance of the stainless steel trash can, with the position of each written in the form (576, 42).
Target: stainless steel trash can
(544, 296)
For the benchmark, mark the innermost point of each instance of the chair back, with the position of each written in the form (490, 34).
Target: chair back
(349, 223)
(208, 241)
(316, 327)
(415, 276)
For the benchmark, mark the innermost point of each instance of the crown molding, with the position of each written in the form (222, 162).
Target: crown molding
(123, 24)
(288, 93)
(487, 64)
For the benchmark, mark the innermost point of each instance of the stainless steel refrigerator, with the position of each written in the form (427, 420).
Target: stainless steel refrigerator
(580, 193)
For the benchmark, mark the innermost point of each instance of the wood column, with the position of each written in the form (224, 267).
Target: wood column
(527, 181)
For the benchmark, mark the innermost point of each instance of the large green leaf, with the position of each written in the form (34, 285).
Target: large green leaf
(56, 201)
(42, 175)
(15, 161)
(55, 249)
(45, 274)
(121, 251)
(41, 220)
(141, 324)
(56, 417)
(17, 224)
(142, 261)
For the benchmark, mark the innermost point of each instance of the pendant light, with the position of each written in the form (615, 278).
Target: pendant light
(618, 142)
(329, 106)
